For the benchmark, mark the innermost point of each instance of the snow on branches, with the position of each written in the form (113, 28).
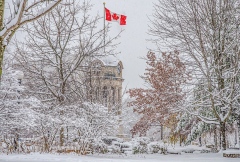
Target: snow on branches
(21, 12)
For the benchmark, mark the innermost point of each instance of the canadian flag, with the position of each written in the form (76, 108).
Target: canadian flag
(111, 16)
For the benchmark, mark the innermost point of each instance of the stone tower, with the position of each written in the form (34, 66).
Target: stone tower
(105, 83)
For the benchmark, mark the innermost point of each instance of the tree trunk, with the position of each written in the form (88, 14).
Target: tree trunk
(46, 145)
(180, 139)
(161, 132)
(67, 133)
(238, 124)
(223, 133)
(61, 136)
(220, 140)
(200, 141)
(235, 140)
(215, 137)
(2, 48)
(2, 2)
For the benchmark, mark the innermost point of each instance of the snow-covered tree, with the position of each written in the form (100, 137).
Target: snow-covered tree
(54, 53)
(53, 59)
(17, 117)
(83, 123)
(19, 12)
(129, 117)
(208, 33)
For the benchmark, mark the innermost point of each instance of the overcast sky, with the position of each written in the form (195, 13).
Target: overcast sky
(133, 40)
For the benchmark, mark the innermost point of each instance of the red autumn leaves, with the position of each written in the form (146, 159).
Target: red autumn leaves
(164, 76)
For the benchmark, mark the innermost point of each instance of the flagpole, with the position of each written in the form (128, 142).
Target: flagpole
(104, 31)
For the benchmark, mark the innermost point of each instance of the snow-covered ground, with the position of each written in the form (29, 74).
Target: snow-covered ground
(36, 157)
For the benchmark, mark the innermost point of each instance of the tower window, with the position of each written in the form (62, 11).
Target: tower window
(105, 95)
(119, 95)
(109, 75)
(97, 93)
(113, 95)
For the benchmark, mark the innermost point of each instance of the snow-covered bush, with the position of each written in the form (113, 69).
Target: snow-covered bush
(157, 147)
(189, 150)
(108, 140)
(115, 147)
(140, 145)
(142, 140)
(98, 146)
(113, 144)
(126, 147)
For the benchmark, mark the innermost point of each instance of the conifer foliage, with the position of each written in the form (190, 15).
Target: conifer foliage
(164, 77)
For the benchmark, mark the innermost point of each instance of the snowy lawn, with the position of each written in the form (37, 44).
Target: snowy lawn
(36, 157)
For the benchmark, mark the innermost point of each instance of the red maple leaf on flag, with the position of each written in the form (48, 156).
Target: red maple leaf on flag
(115, 16)
(123, 20)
